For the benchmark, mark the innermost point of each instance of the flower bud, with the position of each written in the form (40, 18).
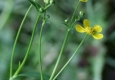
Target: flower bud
(66, 21)
(48, 1)
(81, 13)
(51, 1)
(83, 0)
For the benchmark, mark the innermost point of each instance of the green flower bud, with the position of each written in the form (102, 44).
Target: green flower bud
(51, 1)
(83, 0)
(48, 1)
(66, 21)
(81, 13)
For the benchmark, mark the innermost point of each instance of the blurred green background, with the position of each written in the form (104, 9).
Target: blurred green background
(94, 61)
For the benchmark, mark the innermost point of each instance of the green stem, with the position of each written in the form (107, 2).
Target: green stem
(65, 40)
(15, 42)
(30, 45)
(70, 58)
(74, 12)
(60, 54)
(47, 6)
(40, 60)
(40, 39)
(72, 25)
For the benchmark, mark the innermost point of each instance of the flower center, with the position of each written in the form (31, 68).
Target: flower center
(88, 30)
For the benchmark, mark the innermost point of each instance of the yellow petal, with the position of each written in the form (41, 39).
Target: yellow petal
(79, 28)
(97, 28)
(98, 36)
(86, 23)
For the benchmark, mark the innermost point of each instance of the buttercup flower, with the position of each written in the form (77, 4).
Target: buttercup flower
(83, 0)
(89, 30)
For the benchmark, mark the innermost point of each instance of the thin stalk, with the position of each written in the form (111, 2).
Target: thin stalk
(40, 39)
(70, 58)
(15, 42)
(30, 45)
(72, 25)
(74, 12)
(60, 54)
(47, 6)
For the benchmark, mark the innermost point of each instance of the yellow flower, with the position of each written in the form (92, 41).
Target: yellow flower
(83, 0)
(89, 30)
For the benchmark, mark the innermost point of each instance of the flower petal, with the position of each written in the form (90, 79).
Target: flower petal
(86, 23)
(97, 28)
(79, 28)
(98, 36)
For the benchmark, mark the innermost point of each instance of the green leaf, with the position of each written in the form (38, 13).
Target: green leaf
(35, 4)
